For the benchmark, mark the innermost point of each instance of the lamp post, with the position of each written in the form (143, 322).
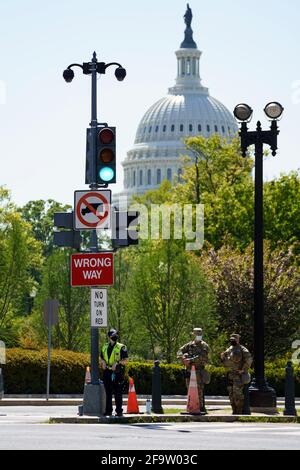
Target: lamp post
(93, 68)
(261, 395)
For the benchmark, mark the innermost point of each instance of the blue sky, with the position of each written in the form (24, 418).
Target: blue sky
(251, 53)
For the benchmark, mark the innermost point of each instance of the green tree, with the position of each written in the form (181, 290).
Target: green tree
(40, 214)
(220, 178)
(232, 278)
(72, 332)
(20, 254)
(282, 210)
(167, 297)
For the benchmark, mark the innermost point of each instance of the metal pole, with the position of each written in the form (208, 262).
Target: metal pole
(94, 241)
(94, 331)
(290, 408)
(94, 121)
(197, 182)
(49, 350)
(260, 394)
(259, 326)
(156, 389)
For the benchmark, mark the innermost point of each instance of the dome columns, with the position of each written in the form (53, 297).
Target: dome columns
(188, 63)
(188, 72)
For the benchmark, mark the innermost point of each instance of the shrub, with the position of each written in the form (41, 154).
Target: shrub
(25, 373)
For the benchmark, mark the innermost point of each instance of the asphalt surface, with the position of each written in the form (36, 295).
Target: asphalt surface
(27, 428)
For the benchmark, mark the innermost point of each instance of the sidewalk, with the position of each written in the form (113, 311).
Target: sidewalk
(69, 400)
(214, 415)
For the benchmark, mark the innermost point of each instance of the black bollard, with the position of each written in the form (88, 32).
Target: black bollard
(246, 407)
(290, 408)
(156, 389)
(1, 385)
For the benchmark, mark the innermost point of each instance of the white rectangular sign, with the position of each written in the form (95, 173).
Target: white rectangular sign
(92, 210)
(99, 308)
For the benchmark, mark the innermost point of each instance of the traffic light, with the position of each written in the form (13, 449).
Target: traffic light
(124, 229)
(69, 238)
(106, 156)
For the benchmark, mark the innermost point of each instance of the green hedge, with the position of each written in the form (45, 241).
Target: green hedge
(25, 373)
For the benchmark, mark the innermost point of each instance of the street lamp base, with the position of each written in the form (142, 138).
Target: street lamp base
(262, 398)
(93, 400)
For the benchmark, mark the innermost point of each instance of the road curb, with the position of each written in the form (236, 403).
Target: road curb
(135, 419)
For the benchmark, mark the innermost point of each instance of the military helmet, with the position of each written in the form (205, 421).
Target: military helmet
(235, 336)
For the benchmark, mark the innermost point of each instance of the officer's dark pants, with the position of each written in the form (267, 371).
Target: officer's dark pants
(113, 388)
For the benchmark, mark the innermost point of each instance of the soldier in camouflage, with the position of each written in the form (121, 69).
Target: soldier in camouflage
(238, 360)
(195, 354)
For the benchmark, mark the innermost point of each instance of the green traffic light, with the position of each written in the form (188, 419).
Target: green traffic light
(106, 174)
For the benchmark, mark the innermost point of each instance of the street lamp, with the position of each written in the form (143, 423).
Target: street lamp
(93, 68)
(260, 394)
(243, 112)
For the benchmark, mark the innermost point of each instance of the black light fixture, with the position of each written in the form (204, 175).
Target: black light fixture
(274, 110)
(243, 112)
(120, 74)
(68, 75)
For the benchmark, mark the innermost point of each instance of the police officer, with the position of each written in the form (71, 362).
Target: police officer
(195, 354)
(238, 360)
(113, 359)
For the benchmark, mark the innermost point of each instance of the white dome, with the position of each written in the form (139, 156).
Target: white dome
(177, 116)
(188, 110)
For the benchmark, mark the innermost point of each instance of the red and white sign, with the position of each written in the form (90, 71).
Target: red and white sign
(92, 210)
(92, 269)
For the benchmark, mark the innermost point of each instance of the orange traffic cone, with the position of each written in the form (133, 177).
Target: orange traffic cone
(87, 376)
(193, 403)
(132, 405)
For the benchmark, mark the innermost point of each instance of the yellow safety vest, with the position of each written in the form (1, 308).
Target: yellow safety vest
(115, 355)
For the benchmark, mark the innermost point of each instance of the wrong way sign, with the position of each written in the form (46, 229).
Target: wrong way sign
(92, 210)
(92, 269)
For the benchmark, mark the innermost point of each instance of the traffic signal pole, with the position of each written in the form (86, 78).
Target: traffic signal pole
(94, 240)
(94, 120)
(94, 392)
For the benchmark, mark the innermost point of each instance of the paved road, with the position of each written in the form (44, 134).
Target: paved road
(22, 429)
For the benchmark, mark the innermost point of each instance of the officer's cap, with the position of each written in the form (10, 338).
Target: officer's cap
(112, 332)
(235, 336)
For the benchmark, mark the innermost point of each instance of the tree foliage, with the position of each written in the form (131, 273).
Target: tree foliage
(40, 215)
(168, 298)
(232, 276)
(20, 253)
(72, 332)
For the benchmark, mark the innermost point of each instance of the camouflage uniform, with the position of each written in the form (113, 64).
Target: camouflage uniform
(199, 351)
(236, 358)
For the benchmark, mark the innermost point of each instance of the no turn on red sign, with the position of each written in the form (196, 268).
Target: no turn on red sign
(92, 210)
(92, 269)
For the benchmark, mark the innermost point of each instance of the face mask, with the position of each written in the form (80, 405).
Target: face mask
(199, 338)
(113, 339)
(233, 342)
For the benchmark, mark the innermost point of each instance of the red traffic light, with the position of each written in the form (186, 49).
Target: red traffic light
(106, 136)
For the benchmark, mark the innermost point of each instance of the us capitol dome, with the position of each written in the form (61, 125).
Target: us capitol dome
(187, 110)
